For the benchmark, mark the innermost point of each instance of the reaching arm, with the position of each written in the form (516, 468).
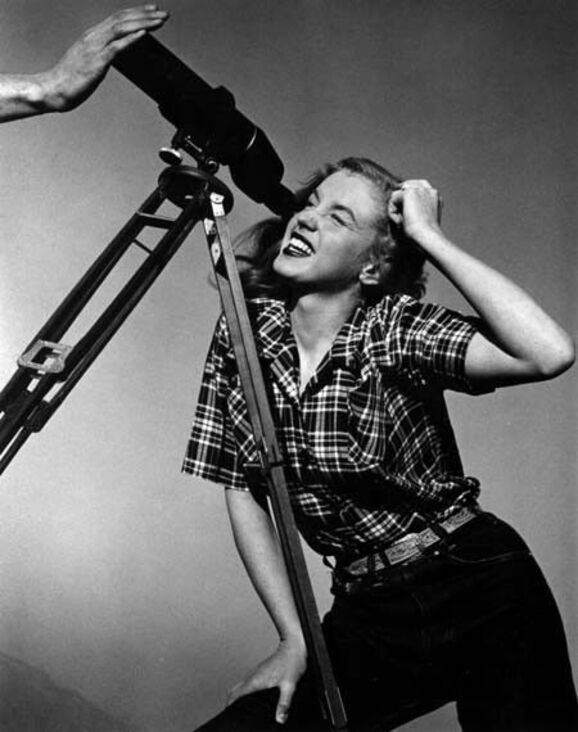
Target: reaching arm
(258, 546)
(80, 70)
(521, 342)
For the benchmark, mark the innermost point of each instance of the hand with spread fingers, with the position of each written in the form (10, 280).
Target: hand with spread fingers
(80, 70)
(84, 65)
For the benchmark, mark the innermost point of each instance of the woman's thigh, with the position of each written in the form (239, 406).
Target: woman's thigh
(514, 661)
(476, 623)
(256, 713)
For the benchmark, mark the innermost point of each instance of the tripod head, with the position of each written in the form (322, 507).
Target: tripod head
(209, 127)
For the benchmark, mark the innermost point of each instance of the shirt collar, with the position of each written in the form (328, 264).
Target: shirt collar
(345, 351)
(274, 334)
(272, 327)
(276, 343)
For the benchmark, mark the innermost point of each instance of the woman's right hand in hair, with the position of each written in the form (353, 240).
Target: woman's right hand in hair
(519, 342)
(416, 207)
(282, 669)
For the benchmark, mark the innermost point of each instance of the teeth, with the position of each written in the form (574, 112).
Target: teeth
(298, 247)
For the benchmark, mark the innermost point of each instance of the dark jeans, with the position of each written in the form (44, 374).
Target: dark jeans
(472, 622)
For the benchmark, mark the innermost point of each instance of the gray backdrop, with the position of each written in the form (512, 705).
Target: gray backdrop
(118, 574)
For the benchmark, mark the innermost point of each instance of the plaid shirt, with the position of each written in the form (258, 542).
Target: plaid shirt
(368, 449)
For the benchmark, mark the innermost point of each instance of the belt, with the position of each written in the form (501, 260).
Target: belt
(411, 547)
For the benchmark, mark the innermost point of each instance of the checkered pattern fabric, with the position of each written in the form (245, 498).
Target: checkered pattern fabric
(368, 448)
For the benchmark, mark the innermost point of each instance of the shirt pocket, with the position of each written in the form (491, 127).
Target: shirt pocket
(368, 424)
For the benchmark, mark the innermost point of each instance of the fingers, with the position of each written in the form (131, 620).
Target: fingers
(100, 44)
(423, 185)
(414, 188)
(418, 183)
(130, 25)
(125, 42)
(286, 691)
(127, 22)
(415, 205)
(144, 15)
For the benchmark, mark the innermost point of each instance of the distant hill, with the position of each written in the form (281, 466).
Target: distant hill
(31, 702)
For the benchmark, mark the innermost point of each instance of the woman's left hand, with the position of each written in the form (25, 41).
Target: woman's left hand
(282, 669)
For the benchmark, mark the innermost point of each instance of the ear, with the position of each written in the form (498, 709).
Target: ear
(395, 207)
(370, 273)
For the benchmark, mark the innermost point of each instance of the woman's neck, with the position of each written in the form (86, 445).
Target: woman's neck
(319, 316)
(316, 320)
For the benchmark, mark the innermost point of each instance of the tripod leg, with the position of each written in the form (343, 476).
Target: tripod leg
(48, 367)
(234, 306)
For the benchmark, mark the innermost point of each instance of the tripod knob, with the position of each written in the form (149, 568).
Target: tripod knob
(170, 156)
(181, 183)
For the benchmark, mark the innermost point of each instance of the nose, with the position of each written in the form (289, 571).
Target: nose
(307, 218)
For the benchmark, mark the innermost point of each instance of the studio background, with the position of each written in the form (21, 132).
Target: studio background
(118, 575)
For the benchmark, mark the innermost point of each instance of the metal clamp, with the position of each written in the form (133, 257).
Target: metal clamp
(53, 362)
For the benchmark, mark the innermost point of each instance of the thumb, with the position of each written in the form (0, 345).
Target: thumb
(285, 697)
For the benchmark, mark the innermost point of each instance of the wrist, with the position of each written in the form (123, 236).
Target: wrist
(294, 642)
(29, 93)
(50, 95)
(427, 237)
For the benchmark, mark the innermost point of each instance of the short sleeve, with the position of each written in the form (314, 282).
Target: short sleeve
(426, 341)
(212, 452)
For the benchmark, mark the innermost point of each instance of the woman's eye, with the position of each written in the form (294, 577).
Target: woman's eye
(338, 219)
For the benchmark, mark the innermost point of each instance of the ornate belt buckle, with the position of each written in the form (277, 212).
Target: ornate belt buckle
(404, 549)
(426, 538)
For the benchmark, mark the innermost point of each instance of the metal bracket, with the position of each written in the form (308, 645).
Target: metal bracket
(53, 362)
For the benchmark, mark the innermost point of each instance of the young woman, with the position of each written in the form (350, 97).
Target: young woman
(435, 599)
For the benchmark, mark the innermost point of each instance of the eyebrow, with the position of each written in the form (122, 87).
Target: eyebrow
(339, 207)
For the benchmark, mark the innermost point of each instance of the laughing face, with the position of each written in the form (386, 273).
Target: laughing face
(327, 244)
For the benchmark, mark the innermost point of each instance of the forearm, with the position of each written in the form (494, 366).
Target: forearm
(25, 95)
(519, 341)
(259, 549)
(533, 344)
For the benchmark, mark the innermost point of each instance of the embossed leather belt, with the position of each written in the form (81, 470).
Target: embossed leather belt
(411, 546)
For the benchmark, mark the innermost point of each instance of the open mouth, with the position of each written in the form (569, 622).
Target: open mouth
(298, 246)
